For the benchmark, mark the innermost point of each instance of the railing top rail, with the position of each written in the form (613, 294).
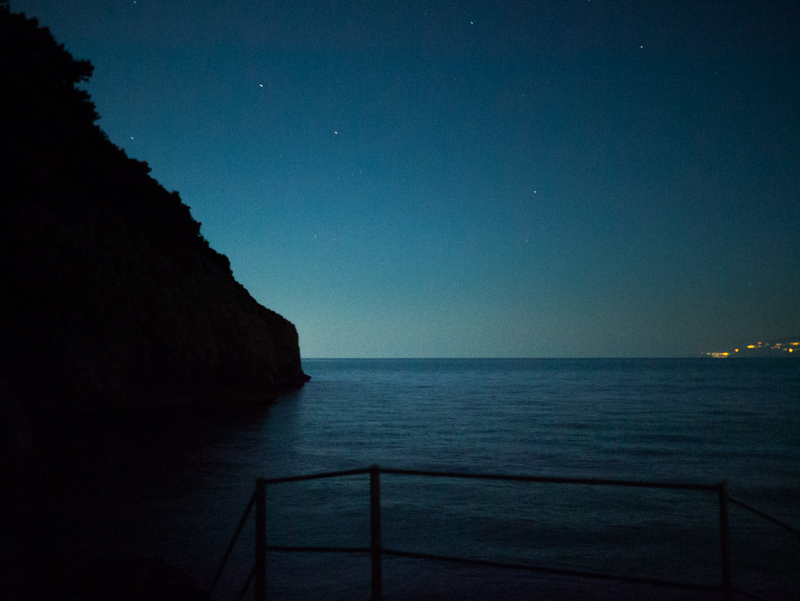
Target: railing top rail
(317, 476)
(506, 477)
(559, 480)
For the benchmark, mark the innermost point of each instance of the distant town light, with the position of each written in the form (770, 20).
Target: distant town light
(760, 346)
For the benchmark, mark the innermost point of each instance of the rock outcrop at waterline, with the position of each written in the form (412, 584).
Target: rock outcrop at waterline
(111, 297)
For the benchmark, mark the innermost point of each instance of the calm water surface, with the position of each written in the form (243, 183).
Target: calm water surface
(179, 496)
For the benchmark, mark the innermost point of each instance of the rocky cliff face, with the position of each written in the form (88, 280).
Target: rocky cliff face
(111, 297)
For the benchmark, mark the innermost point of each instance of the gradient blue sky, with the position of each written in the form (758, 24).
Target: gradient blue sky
(473, 178)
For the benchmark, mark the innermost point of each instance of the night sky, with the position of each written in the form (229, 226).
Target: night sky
(473, 178)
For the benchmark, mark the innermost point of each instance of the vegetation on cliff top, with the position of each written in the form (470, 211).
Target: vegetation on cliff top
(51, 140)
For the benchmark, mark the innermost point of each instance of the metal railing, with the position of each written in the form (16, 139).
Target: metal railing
(376, 550)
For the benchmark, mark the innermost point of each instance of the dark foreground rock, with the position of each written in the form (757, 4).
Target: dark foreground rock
(112, 299)
(121, 578)
(134, 579)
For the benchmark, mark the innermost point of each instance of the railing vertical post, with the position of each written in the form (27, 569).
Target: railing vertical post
(261, 541)
(375, 531)
(725, 541)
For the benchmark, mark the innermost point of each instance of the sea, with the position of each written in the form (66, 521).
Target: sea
(175, 490)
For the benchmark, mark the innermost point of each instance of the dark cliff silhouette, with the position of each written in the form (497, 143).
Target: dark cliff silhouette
(111, 296)
(113, 305)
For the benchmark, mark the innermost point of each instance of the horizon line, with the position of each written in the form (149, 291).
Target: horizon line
(617, 358)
